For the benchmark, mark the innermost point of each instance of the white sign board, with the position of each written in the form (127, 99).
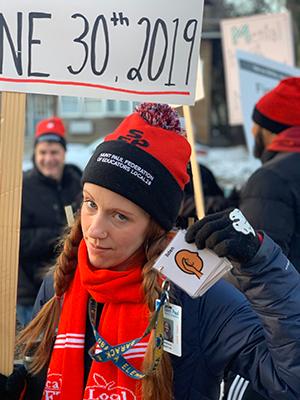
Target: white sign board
(199, 91)
(134, 50)
(258, 75)
(265, 35)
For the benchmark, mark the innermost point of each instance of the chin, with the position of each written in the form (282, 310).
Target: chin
(96, 263)
(99, 263)
(116, 266)
(50, 174)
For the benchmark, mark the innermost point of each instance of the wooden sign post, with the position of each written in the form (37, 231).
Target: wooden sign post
(197, 182)
(12, 123)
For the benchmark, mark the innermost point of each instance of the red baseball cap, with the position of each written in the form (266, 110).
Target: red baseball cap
(51, 130)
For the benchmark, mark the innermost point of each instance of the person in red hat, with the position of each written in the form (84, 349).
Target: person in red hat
(271, 197)
(99, 336)
(47, 188)
(50, 147)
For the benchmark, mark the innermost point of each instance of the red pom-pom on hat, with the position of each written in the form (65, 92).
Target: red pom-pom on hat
(161, 115)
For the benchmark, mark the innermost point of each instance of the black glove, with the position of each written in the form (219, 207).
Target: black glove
(227, 233)
(16, 382)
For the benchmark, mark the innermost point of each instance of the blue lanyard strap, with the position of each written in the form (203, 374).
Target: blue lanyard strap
(102, 351)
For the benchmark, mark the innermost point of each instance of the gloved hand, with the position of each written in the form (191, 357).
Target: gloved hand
(227, 233)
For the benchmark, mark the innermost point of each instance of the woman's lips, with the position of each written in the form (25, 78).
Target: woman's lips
(98, 248)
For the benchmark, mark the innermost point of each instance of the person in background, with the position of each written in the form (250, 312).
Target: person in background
(47, 188)
(92, 336)
(271, 197)
(214, 199)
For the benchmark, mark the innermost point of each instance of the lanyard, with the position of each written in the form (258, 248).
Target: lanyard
(102, 351)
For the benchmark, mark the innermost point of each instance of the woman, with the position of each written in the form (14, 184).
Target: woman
(168, 331)
(106, 289)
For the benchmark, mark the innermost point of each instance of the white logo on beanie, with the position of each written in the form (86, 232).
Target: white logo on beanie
(127, 166)
(240, 224)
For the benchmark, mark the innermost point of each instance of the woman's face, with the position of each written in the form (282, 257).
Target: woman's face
(113, 227)
(166, 327)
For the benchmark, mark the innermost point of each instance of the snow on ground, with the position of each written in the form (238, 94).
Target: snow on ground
(231, 166)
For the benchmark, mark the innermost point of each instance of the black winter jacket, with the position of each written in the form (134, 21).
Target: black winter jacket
(221, 330)
(270, 201)
(42, 222)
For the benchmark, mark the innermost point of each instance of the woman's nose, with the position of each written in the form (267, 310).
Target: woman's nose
(98, 228)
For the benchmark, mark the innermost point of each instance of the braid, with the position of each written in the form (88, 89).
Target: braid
(158, 385)
(42, 328)
(67, 260)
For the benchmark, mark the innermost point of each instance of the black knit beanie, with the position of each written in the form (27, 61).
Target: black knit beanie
(145, 160)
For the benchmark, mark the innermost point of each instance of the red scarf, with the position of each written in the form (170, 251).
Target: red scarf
(286, 141)
(124, 317)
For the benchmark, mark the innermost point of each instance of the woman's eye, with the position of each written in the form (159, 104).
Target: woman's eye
(90, 204)
(121, 217)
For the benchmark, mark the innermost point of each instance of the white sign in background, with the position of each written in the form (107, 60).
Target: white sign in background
(268, 35)
(258, 75)
(134, 50)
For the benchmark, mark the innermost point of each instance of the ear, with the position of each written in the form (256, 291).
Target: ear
(255, 128)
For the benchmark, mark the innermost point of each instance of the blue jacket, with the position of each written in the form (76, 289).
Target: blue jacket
(256, 335)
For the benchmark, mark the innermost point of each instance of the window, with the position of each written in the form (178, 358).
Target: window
(80, 107)
(92, 107)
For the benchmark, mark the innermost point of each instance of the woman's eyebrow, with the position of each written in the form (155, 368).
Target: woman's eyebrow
(84, 191)
(115, 209)
(119, 210)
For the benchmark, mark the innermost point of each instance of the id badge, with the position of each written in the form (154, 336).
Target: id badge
(172, 328)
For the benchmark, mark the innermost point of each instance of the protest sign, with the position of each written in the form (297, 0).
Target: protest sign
(136, 50)
(199, 87)
(267, 35)
(258, 75)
